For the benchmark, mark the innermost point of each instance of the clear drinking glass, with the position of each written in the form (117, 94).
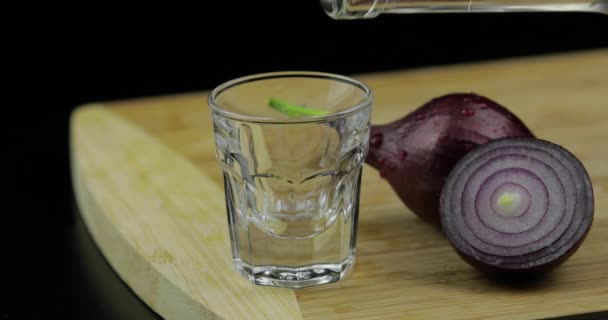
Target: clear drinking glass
(292, 183)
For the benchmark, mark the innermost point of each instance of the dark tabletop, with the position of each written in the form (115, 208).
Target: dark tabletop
(57, 272)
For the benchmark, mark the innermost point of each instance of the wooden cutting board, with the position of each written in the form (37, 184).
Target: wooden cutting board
(150, 192)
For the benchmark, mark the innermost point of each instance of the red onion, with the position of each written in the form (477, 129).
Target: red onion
(517, 205)
(415, 154)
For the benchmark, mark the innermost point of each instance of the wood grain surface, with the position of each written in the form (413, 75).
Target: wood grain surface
(150, 192)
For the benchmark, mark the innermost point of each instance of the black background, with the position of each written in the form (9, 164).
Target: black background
(58, 58)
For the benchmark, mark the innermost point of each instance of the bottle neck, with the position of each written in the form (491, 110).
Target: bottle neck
(360, 9)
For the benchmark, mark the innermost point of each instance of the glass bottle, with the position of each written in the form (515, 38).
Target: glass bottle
(358, 9)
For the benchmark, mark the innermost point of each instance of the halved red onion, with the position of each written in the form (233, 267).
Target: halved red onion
(517, 205)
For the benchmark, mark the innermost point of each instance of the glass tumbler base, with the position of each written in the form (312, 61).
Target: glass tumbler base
(298, 277)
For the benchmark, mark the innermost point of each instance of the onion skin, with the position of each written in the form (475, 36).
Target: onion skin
(547, 254)
(416, 153)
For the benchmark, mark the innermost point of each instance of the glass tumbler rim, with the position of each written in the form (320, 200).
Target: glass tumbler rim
(365, 102)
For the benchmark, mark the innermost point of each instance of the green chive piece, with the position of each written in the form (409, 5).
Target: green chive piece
(292, 110)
